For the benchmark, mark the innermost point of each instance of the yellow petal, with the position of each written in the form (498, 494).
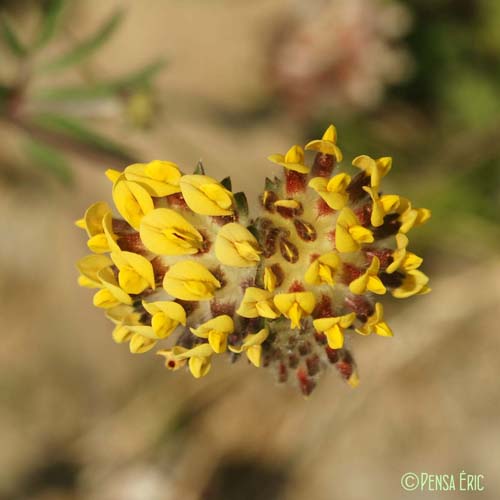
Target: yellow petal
(335, 337)
(413, 283)
(218, 341)
(112, 174)
(295, 305)
(98, 243)
(109, 283)
(252, 298)
(361, 234)
(254, 355)
(90, 265)
(358, 286)
(199, 367)
(107, 225)
(93, 217)
(205, 196)
(132, 201)
(159, 178)
(383, 329)
(136, 272)
(222, 323)
(166, 232)
(105, 299)
(344, 242)
(292, 160)
(121, 334)
(270, 279)
(140, 344)
(190, 280)
(375, 285)
(327, 144)
(236, 246)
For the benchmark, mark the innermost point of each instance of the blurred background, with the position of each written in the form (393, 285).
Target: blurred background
(90, 85)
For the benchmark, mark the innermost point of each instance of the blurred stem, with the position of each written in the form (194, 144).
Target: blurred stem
(69, 145)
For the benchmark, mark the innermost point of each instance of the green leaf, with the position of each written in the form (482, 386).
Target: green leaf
(52, 11)
(87, 48)
(48, 159)
(226, 182)
(241, 203)
(199, 170)
(11, 39)
(141, 77)
(76, 130)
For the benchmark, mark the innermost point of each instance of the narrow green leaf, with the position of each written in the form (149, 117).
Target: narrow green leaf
(199, 170)
(241, 203)
(226, 182)
(48, 159)
(76, 130)
(88, 47)
(11, 39)
(141, 77)
(52, 11)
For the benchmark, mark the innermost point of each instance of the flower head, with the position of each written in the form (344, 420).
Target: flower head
(185, 269)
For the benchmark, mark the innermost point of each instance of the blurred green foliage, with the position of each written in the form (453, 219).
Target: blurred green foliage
(36, 110)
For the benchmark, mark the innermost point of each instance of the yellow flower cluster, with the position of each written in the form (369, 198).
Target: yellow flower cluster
(183, 266)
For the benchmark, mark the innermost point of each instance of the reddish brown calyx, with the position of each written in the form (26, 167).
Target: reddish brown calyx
(295, 182)
(323, 165)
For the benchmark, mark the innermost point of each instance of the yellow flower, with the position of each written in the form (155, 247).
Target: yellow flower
(216, 331)
(369, 280)
(349, 234)
(132, 201)
(92, 223)
(140, 344)
(89, 267)
(172, 361)
(257, 302)
(295, 305)
(375, 323)
(411, 217)
(323, 269)
(166, 232)
(333, 191)
(270, 279)
(166, 317)
(123, 317)
(199, 358)
(292, 160)
(414, 283)
(190, 280)
(401, 257)
(252, 346)
(205, 196)
(327, 144)
(111, 294)
(334, 327)
(236, 246)
(376, 169)
(159, 178)
(382, 205)
(129, 329)
(135, 272)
